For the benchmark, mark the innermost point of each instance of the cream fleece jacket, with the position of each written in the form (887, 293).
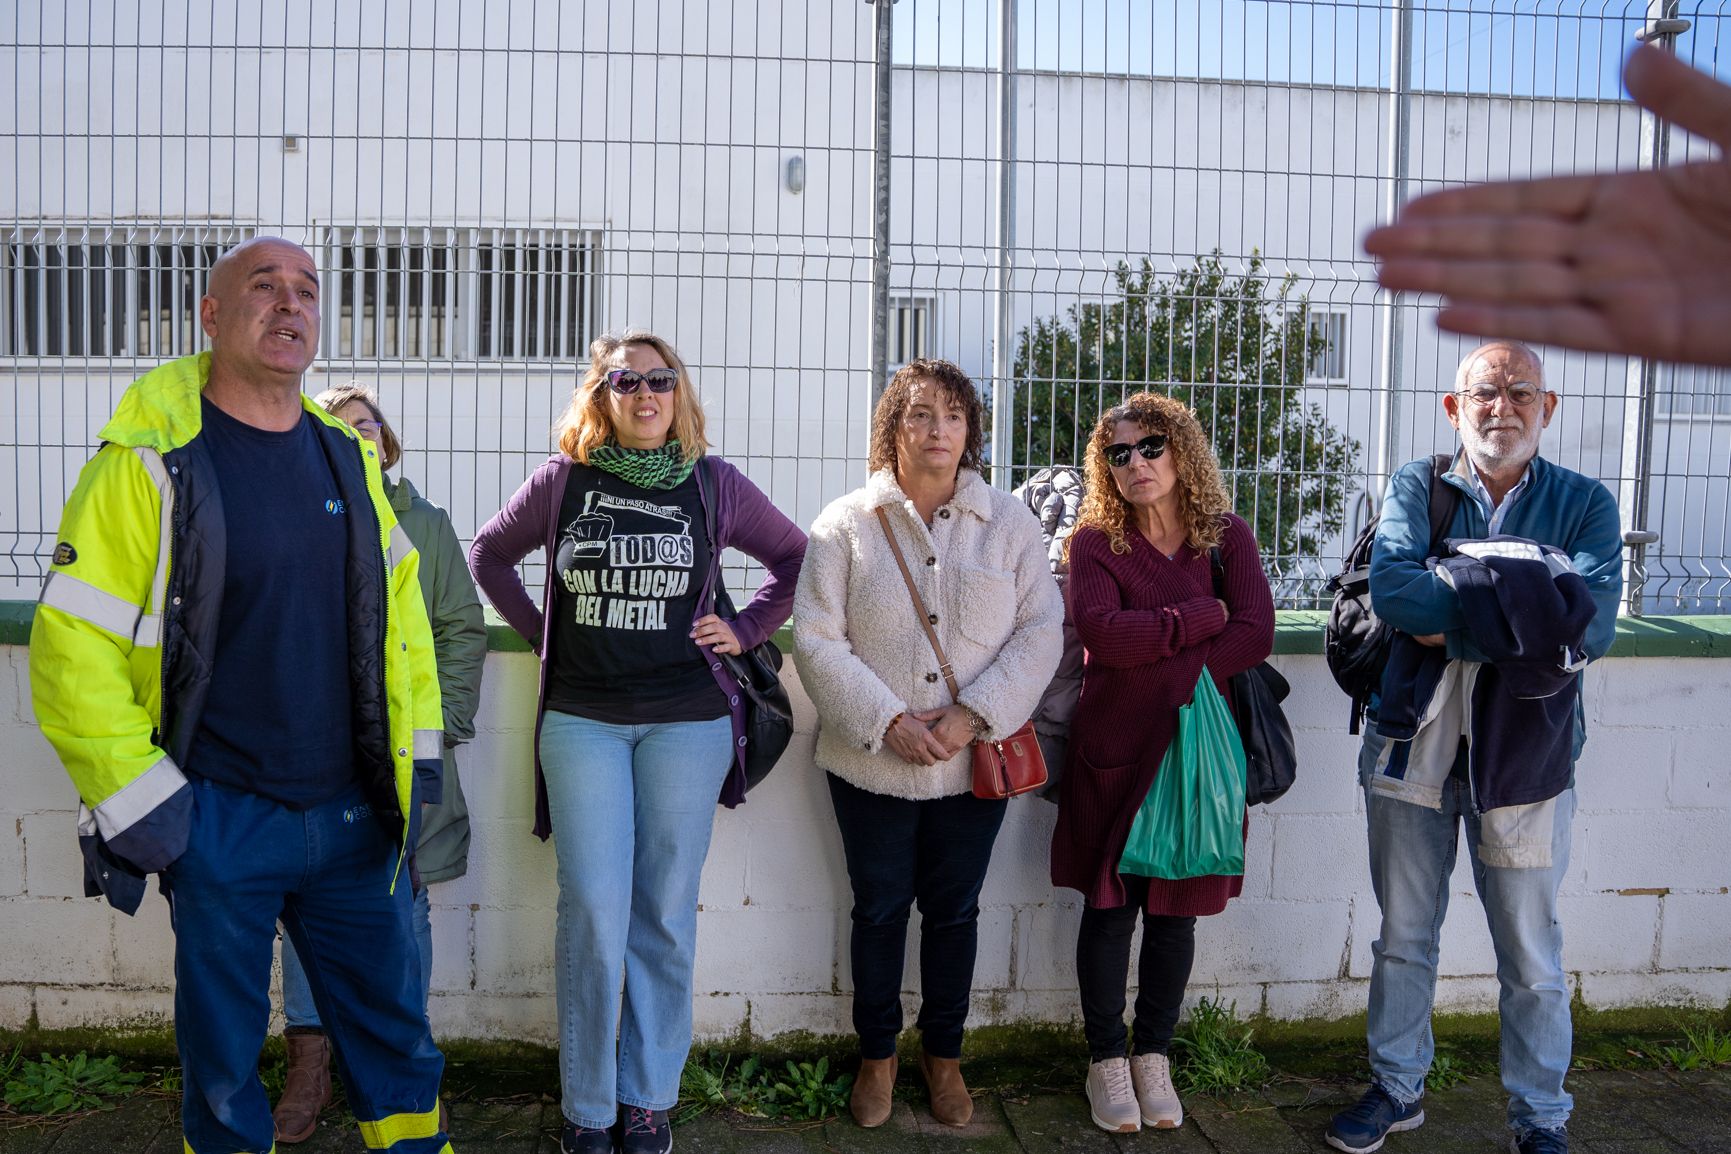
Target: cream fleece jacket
(862, 656)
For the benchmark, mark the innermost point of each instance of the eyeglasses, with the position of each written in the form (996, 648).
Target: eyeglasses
(627, 381)
(366, 427)
(1150, 447)
(1485, 396)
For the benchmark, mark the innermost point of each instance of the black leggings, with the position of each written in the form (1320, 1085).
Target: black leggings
(1103, 969)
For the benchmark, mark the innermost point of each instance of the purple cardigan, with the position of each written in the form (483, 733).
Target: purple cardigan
(745, 519)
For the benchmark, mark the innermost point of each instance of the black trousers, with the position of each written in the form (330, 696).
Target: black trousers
(1103, 970)
(898, 852)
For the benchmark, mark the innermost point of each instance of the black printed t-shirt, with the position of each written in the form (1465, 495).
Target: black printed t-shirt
(277, 720)
(629, 569)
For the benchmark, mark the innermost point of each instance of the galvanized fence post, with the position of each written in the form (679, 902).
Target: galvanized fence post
(880, 310)
(1662, 28)
(1003, 356)
(1399, 169)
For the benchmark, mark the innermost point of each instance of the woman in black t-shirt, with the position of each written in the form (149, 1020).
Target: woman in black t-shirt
(641, 729)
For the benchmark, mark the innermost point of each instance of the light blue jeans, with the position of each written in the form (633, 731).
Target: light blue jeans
(632, 809)
(1412, 854)
(297, 995)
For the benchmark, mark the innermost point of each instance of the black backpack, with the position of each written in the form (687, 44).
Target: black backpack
(1356, 641)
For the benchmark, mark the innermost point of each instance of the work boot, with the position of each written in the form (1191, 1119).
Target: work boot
(951, 1103)
(873, 1091)
(307, 1088)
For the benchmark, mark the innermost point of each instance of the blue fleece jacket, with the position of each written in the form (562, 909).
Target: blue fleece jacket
(1559, 507)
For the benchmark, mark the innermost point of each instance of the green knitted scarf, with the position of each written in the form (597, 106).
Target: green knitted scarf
(663, 468)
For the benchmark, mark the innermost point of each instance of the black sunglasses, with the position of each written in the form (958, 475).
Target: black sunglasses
(1150, 447)
(628, 381)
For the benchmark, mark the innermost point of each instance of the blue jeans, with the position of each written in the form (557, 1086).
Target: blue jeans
(1412, 853)
(632, 807)
(326, 873)
(298, 1008)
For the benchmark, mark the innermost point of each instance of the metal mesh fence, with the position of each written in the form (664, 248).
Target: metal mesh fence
(1073, 200)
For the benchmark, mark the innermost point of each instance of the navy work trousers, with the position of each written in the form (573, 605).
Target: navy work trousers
(326, 873)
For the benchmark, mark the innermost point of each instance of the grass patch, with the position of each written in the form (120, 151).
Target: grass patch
(1215, 1052)
(1694, 1041)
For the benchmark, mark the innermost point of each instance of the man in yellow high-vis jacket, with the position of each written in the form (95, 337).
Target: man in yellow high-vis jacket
(232, 659)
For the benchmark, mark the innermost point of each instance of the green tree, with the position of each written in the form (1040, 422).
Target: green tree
(1236, 349)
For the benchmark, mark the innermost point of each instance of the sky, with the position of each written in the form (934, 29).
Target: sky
(1559, 48)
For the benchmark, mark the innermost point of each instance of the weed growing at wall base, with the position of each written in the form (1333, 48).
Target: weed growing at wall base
(1705, 1047)
(1448, 1069)
(801, 1091)
(58, 1085)
(1217, 1055)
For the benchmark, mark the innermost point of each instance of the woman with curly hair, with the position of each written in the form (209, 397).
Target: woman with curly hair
(1142, 597)
(894, 742)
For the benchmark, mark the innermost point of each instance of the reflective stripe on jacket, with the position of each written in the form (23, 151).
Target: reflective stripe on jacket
(125, 631)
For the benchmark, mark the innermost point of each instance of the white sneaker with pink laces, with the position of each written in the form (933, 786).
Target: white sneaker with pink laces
(1151, 1074)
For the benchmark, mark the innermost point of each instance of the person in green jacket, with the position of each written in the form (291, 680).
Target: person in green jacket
(442, 852)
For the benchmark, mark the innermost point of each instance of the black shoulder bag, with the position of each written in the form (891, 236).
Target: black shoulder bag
(768, 710)
(1270, 755)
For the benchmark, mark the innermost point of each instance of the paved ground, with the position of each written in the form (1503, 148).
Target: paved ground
(1620, 1112)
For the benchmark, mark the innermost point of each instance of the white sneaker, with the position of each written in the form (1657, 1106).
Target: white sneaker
(1151, 1074)
(1111, 1099)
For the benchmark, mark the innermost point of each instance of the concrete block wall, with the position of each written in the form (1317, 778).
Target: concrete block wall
(1647, 898)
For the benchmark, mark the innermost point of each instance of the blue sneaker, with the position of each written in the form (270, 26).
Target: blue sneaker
(1361, 1129)
(645, 1131)
(1540, 1142)
(575, 1139)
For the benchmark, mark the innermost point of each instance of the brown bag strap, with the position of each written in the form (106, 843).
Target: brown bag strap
(919, 606)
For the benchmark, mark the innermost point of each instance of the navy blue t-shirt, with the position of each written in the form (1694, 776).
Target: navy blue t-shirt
(277, 720)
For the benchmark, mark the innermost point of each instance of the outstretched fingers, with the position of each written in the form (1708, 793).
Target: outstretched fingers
(1673, 91)
(1489, 281)
(1563, 323)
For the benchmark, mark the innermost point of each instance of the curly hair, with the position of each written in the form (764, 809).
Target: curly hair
(585, 423)
(956, 387)
(335, 397)
(1202, 496)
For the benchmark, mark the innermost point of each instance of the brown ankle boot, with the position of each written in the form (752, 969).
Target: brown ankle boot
(873, 1090)
(951, 1103)
(307, 1089)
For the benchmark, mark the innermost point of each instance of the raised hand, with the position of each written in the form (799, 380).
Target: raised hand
(1628, 262)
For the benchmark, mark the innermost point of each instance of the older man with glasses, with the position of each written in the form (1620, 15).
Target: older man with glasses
(1433, 762)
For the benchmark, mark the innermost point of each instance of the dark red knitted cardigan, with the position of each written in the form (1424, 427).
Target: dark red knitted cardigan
(1149, 624)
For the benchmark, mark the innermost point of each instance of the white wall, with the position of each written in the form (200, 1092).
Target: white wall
(1646, 907)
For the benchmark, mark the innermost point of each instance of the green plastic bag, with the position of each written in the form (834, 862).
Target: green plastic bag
(1191, 824)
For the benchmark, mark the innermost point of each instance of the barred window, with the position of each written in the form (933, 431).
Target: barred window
(910, 329)
(1328, 364)
(460, 294)
(1693, 390)
(106, 291)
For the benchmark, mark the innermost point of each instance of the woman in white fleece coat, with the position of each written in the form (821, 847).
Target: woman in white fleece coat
(893, 742)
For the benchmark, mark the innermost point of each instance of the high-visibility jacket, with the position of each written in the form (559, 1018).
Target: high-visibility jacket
(126, 628)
